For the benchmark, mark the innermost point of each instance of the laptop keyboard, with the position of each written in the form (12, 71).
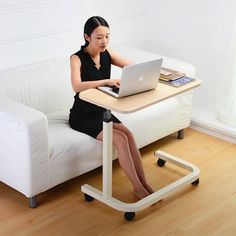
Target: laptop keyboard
(115, 89)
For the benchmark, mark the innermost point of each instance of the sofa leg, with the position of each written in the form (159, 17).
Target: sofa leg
(181, 134)
(33, 202)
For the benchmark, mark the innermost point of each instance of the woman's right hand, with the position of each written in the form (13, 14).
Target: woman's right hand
(113, 82)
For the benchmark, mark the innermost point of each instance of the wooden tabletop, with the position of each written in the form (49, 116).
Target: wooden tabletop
(135, 102)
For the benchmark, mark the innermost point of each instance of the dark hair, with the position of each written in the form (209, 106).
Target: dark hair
(91, 24)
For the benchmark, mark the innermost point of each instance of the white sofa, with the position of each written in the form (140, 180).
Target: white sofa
(38, 149)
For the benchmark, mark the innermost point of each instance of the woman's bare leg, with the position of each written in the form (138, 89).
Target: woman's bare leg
(135, 155)
(126, 161)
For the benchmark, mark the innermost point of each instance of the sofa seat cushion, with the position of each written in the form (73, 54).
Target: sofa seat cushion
(71, 153)
(151, 123)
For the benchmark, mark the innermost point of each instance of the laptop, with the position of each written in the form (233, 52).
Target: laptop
(136, 78)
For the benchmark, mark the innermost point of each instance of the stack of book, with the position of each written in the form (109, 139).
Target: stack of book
(173, 77)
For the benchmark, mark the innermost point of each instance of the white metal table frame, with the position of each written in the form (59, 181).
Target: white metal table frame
(105, 195)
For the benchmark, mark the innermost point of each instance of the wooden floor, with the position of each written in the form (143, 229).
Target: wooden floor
(206, 209)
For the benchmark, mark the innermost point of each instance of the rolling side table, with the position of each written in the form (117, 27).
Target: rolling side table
(127, 105)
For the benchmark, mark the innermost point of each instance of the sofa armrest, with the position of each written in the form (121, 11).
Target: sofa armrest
(23, 147)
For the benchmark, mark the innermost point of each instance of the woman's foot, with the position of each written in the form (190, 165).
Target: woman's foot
(148, 188)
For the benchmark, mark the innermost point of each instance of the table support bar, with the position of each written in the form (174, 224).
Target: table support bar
(152, 198)
(107, 155)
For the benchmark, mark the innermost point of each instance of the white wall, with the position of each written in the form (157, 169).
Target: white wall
(198, 32)
(33, 31)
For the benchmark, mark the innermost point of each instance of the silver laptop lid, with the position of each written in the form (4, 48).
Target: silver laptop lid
(140, 77)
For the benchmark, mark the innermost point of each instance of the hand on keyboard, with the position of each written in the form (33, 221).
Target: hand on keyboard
(115, 89)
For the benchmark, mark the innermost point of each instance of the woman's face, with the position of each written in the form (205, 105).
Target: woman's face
(99, 38)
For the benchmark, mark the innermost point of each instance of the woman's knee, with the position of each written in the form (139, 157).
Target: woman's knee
(120, 138)
(121, 127)
(100, 136)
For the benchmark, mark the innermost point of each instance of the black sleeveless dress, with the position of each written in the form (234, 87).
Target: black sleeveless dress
(84, 116)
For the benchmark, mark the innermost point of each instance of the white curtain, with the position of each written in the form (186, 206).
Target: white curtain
(227, 110)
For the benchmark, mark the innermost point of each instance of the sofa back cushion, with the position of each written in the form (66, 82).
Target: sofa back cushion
(44, 86)
(140, 55)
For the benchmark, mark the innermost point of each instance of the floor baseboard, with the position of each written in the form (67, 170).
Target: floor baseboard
(214, 128)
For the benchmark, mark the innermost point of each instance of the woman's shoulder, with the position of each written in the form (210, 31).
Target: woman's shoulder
(106, 53)
(76, 54)
(79, 53)
(113, 53)
(110, 51)
(75, 60)
(118, 59)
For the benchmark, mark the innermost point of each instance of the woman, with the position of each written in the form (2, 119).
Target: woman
(90, 68)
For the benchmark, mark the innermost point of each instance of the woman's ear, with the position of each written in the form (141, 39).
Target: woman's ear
(86, 37)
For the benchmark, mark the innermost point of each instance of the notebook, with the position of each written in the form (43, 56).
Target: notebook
(167, 74)
(136, 78)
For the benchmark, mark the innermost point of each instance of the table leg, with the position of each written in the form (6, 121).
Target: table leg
(107, 155)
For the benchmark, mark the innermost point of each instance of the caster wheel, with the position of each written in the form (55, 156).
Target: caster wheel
(196, 182)
(129, 215)
(88, 198)
(161, 162)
